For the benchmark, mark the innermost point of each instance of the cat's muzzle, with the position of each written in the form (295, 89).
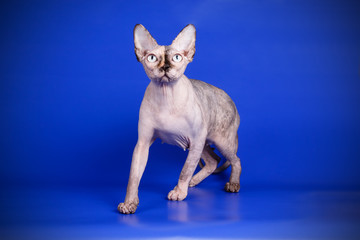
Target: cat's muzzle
(165, 78)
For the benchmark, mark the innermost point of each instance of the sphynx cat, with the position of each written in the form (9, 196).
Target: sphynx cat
(185, 112)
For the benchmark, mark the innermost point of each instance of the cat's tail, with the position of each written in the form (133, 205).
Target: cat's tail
(218, 159)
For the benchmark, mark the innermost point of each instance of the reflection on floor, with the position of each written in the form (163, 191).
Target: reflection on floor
(208, 212)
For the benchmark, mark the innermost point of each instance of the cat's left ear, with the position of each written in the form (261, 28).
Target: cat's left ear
(185, 42)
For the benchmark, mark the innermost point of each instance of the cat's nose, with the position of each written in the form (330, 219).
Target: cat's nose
(166, 67)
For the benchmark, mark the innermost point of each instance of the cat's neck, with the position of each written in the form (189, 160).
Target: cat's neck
(173, 95)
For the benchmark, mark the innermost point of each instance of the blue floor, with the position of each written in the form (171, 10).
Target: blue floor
(207, 212)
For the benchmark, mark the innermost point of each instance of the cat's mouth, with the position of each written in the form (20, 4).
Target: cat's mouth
(165, 78)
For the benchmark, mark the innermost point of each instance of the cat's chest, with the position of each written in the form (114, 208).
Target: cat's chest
(173, 121)
(175, 128)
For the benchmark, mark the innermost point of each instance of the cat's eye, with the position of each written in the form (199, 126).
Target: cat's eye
(177, 58)
(151, 58)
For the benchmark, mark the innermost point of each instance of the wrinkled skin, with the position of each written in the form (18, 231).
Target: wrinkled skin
(185, 112)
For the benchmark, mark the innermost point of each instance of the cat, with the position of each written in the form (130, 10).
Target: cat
(185, 112)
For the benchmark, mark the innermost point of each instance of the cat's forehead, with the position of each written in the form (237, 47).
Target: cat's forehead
(166, 50)
(169, 50)
(158, 50)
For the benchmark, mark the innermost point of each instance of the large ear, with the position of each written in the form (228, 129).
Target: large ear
(185, 41)
(143, 41)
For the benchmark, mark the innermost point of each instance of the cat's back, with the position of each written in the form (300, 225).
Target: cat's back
(205, 89)
(216, 104)
(208, 93)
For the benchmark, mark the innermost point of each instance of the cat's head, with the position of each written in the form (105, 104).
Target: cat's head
(164, 64)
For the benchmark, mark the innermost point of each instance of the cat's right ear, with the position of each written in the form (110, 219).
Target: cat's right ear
(143, 41)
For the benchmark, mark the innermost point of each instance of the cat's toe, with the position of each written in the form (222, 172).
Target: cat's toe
(232, 187)
(127, 208)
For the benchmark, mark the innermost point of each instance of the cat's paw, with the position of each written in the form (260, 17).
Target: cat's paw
(232, 187)
(127, 208)
(177, 194)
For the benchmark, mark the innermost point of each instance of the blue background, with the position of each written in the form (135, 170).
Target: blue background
(71, 89)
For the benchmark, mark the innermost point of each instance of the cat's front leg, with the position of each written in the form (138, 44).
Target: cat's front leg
(179, 193)
(139, 160)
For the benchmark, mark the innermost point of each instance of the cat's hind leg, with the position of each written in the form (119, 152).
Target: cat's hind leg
(211, 161)
(228, 148)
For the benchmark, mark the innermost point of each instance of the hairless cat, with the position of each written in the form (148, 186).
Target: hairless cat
(185, 112)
